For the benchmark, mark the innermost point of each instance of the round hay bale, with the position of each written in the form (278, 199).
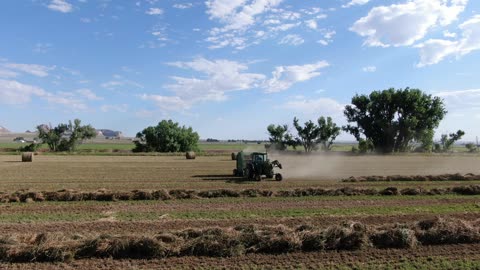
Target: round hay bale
(234, 156)
(190, 155)
(27, 157)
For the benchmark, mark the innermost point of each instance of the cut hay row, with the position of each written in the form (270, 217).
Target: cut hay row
(420, 178)
(237, 241)
(181, 194)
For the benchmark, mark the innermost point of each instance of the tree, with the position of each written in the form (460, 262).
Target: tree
(426, 141)
(471, 147)
(308, 135)
(280, 138)
(328, 132)
(65, 137)
(167, 136)
(365, 146)
(446, 141)
(392, 119)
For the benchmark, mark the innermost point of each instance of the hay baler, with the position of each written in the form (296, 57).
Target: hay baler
(255, 165)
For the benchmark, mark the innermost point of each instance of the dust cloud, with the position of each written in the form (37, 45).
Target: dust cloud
(331, 166)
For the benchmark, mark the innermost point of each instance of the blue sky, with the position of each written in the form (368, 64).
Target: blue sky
(228, 68)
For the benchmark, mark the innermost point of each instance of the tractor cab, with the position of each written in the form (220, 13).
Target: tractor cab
(259, 157)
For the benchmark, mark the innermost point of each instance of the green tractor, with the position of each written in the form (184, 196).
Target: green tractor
(254, 165)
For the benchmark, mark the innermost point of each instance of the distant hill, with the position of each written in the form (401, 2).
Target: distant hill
(109, 133)
(4, 130)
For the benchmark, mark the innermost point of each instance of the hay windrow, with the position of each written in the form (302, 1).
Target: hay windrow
(183, 194)
(418, 178)
(227, 242)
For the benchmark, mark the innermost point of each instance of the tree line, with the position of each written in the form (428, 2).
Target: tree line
(392, 120)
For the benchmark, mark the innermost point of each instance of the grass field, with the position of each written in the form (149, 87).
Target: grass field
(149, 217)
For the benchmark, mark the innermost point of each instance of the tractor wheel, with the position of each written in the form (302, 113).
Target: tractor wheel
(235, 172)
(278, 177)
(258, 178)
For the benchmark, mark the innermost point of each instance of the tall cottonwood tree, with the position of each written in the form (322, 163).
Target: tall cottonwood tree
(392, 119)
(167, 136)
(65, 137)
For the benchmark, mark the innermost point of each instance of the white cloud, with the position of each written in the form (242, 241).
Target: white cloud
(119, 81)
(404, 24)
(154, 11)
(36, 70)
(61, 6)
(183, 6)
(292, 39)
(122, 108)
(168, 103)
(355, 3)
(282, 27)
(14, 92)
(433, 51)
(312, 24)
(449, 34)
(219, 78)
(88, 94)
(320, 106)
(285, 76)
(68, 100)
(327, 37)
(369, 69)
(461, 100)
(42, 47)
(237, 17)
(323, 42)
(5, 73)
(222, 76)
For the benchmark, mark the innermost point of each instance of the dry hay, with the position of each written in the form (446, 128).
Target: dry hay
(350, 236)
(105, 195)
(226, 242)
(396, 237)
(446, 231)
(128, 247)
(440, 177)
(190, 155)
(27, 157)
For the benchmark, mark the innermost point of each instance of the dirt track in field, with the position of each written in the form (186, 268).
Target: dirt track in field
(145, 172)
(310, 260)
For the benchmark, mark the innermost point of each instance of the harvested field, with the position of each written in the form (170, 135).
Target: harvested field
(135, 198)
(90, 173)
